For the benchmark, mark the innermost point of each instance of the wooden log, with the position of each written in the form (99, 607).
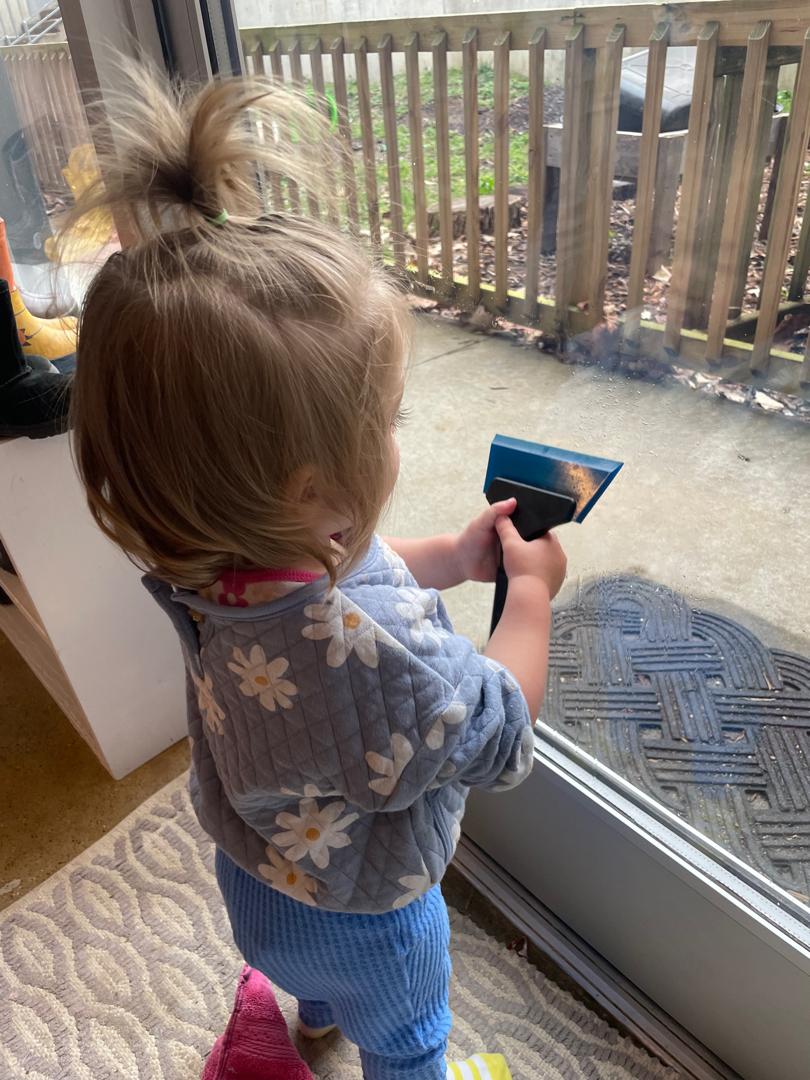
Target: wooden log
(471, 158)
(337, 52)
(784, 212)
(442, 125)
(417, 156)
(369, 144)
(696, 143)
(537, 168)
(392, 151)
(459, 211)
(572, 223)
(604, 120)
(501, 125)
(754, 105)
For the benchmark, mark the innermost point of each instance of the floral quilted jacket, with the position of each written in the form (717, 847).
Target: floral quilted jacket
(336, 733)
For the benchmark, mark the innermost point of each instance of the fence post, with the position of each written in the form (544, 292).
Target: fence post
(645, 185)
(472, 180)
(369, 145)
(573, 217)
(392, 150)
(439, 53)
(501, 123)
(744, 162)
(713, 199)
(336, 50)
(686, 238)
(604, 121)
(784, 207)
(417, 156)
(537, 169)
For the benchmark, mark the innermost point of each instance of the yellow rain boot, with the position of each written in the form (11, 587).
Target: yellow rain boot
(51, 338)
(479, 1067)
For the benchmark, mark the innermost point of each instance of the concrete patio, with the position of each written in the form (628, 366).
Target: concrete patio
(712, 500)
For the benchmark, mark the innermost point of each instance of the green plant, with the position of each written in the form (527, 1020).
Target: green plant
(784, 99)
(486, 185)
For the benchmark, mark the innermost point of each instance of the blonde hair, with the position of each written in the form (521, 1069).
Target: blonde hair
(218, 361)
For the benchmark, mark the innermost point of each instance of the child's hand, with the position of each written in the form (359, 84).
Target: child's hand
(478, 550)
(543, 558)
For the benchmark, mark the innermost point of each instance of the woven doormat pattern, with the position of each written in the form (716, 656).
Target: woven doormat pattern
(693, 709)
(122, 967)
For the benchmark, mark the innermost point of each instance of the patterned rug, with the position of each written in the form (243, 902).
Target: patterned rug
(695, 710)
(122, 967)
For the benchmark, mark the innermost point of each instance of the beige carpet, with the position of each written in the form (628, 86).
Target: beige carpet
(121, 966)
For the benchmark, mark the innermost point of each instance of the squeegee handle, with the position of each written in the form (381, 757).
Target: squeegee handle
(501, 587)
(537, 511)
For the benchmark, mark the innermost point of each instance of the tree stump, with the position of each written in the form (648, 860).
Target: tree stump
(486, 215)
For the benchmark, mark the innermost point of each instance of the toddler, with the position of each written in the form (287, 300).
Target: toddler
(237, 397)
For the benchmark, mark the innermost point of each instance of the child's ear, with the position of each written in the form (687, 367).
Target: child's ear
(301, 487)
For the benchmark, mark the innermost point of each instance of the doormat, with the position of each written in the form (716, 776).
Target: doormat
(693, 709)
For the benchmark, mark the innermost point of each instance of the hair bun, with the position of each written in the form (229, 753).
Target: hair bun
(173, 157)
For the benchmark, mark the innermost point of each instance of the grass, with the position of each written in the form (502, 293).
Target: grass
(518, 141)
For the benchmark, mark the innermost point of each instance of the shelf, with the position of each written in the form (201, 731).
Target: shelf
(32, 644)
(14, 587)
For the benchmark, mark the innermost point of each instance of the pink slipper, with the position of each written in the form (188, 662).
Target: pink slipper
(256, 1044)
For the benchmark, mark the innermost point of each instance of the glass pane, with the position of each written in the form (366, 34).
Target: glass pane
(670, 266)
(46, 157)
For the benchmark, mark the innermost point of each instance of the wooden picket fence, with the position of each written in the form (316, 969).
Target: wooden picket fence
(740, 46)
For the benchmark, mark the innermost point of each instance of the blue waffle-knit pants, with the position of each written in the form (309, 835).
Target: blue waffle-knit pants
(383, 979)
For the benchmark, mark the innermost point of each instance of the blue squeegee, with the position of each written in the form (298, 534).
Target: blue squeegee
(552, 487)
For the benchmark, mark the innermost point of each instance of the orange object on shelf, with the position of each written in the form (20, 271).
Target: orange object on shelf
(51, 338)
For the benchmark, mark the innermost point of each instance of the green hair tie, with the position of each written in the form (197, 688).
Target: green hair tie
(221, 218)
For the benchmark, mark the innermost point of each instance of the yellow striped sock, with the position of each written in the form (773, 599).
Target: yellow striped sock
(479, 1067)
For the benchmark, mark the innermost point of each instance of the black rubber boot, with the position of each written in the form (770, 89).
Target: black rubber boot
(32, 402)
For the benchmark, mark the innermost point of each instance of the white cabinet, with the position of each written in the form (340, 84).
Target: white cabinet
(81, 618)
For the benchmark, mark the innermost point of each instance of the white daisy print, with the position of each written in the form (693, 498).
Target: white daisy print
(314, 831)
(416, 884)
(212, 714)
(396, 564)
(416, 608)
(499, 669)
(445, 772)
(349, 629)
(390, 768)
(453, 715)
(311, 791)
(287, 878)
(262, 679)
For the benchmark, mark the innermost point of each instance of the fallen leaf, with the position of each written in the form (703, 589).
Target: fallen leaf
(765, 401)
